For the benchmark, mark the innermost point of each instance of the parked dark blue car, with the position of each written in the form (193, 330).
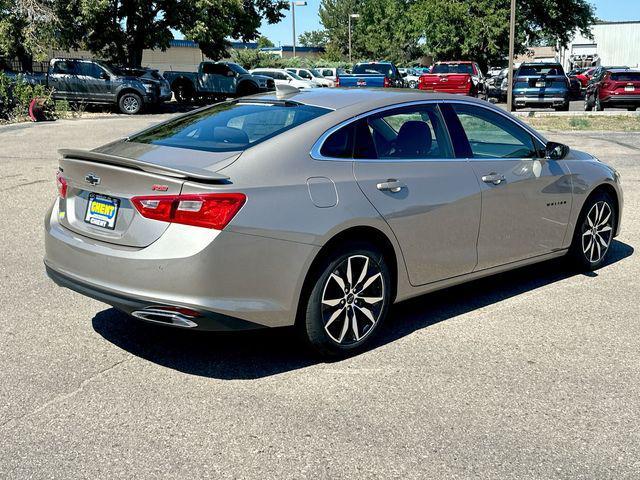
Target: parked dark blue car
(541, 85)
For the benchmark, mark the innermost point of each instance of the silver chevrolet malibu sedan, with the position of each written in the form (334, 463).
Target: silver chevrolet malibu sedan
(320, 209)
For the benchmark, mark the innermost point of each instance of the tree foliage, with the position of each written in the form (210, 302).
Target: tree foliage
(26, 29)
(403, 30)
(264, 42)
(314, 38)
(120, 30)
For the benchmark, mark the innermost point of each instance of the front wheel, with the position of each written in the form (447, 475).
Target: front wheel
(413, 84)
(594, 232)
(588, 106)
(130, 103)
(348, 302)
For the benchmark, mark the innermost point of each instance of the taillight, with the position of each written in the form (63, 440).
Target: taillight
(208, 210)
(337, 81)
(61, 183)
(387, 82)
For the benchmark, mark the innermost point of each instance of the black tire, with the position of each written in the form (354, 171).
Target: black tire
(597, 104)
(183, 92)
(588, 106)
(329, 329)
(130, 103)
(413, 84)
(246, 88)
(582, 256)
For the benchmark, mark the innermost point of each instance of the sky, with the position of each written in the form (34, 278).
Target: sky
(307, 18)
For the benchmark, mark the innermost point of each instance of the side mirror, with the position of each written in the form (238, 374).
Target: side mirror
(556, 151)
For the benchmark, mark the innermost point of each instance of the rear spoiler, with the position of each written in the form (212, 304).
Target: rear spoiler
(187, 173)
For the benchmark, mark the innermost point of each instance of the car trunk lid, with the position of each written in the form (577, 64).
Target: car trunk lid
(101, 183)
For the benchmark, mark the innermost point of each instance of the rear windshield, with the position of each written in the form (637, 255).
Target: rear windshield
(230, 127)
(453, 68)
(626, 77)
(379, 68)
(532, 70)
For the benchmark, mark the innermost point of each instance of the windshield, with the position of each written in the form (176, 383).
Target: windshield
(375, 68)
(453, 68)
(295, 75)
(316, 73)
(542, 69)
(230, 126)
(237, 68)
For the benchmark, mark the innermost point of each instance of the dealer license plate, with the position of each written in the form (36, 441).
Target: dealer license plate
(102, 211)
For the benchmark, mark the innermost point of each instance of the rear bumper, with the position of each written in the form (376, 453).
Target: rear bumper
(455, 91)
(236, 281)
(622, 100)
(522, 100)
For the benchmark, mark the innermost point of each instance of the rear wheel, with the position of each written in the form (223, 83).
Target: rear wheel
(130, 103)
(246, 88)
(413, 84)
(588, 106)
(348, 302)
(594, 232)
(184, 92)
(598, 105)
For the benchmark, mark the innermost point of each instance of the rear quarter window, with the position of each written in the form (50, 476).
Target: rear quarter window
(231, 126)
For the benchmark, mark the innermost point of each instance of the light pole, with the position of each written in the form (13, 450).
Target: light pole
(512, 41)
(353, 15)
(293, 15)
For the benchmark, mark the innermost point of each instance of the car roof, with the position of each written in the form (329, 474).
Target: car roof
(369, 98)
(454, 62)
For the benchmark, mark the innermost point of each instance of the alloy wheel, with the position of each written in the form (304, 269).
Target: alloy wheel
(352, 300)
(597, 232)
(130, 104)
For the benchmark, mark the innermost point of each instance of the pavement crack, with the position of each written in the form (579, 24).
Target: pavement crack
(615, 142)
(65, 396)
(23, 185)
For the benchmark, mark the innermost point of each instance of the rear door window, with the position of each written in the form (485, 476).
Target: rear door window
(416, 132)
(230, 126)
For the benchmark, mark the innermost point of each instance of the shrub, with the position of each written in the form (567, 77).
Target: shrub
(16, 93)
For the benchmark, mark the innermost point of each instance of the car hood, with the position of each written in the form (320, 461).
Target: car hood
(169, 157)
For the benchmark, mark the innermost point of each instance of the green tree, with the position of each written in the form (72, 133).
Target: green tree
(264, 42)
(334, 16)
(314, 38)
(479, 29)
(121, 29)
(26, 29)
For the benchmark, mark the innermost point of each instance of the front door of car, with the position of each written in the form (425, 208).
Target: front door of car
(209, 78)
(404, 164)
(95, 83)
(526, 199)
(226, 80)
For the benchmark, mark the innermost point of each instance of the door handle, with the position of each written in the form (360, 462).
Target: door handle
(392, 185)
(494, 178)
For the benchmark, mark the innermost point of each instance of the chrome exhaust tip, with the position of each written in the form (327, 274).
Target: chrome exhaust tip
(166, 317)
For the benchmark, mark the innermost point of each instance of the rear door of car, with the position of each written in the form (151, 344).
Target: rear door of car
(62, 79)
(526, 199)
(405, 166)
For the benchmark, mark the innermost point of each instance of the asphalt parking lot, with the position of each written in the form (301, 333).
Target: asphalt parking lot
(531, 374)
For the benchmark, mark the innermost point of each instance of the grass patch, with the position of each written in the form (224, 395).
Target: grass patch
(610, 123)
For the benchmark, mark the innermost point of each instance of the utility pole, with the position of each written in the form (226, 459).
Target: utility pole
(512, 41)
(352, 15)
(293, 17)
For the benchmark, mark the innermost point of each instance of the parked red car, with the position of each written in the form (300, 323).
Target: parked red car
(585, 76)
(463, 77)
(618, 88)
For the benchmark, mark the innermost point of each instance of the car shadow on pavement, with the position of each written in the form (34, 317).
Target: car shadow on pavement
(261, 353)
